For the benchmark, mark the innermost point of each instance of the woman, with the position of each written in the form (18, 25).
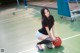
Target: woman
(44, 33)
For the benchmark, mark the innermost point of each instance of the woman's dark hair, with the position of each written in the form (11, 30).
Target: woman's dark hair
(43, 13)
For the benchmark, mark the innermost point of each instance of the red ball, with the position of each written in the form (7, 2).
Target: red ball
(58, 42)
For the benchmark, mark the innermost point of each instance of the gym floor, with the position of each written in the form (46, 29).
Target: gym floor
(19, 26)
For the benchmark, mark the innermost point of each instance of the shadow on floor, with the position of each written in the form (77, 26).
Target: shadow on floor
(54, 50)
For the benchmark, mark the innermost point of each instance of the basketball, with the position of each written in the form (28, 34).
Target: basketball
(58, 42)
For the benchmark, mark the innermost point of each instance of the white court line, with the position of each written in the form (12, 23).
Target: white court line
(62, 40)
(71, 37)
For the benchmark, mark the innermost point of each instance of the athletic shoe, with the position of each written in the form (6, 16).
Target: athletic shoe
(39, 47)
(49, 46)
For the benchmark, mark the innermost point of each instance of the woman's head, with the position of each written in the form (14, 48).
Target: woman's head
(45, 13)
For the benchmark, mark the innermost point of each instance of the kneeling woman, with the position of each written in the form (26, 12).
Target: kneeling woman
(44, 33)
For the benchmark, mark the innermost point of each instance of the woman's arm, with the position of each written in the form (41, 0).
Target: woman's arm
(53, 33)
(47, 29)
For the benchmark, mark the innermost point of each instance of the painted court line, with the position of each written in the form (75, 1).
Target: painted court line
(71, 37)
(62, 40)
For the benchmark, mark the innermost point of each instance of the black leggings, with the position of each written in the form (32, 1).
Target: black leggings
(46, 41)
